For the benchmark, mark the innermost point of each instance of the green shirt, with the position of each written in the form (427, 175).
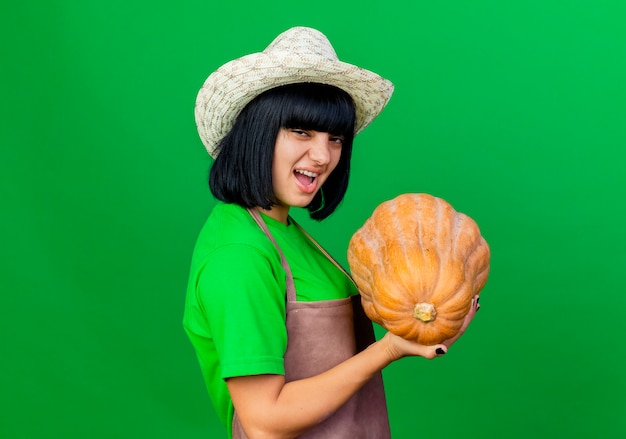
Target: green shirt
(235, 307)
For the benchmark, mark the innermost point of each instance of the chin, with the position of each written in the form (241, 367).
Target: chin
(301, 202)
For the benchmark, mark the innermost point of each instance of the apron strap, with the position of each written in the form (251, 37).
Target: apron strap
(290, 286)
(291, 289)
(320, 248)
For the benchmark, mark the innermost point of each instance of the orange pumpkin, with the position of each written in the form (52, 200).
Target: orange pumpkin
(418, 263)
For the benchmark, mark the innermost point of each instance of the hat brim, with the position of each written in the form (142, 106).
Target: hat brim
(230, 88)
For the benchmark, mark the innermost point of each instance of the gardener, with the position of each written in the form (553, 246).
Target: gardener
(283, 344)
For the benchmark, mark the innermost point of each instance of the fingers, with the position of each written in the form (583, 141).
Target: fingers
(435, 351)
(430, 352)
(474, 307)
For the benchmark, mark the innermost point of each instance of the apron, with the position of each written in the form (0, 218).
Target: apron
(320, 336)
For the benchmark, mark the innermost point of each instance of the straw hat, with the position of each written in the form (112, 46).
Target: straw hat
(299, 54)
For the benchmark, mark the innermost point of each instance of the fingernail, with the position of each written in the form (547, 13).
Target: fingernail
(477, 299)
(477, 309)
(440, 351)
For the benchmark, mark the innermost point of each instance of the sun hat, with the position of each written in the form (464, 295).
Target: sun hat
(300, 54)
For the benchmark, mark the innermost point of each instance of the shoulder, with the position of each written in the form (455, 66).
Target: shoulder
(230, 225)
(231, 244)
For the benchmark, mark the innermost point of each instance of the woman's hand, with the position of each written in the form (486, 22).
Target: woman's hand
(397, 347)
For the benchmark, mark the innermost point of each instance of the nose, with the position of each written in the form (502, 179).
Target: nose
(319, 152)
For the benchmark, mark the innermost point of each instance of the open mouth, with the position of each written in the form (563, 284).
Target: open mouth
(306, 178)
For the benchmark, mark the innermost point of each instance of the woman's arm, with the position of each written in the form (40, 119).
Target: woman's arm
(270, 408)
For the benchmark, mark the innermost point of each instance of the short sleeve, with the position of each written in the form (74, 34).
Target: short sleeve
(242, 294)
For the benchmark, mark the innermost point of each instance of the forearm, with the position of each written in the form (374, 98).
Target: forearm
(291, 408)
(317, 397)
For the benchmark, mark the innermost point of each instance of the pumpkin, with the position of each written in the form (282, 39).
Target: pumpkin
(417, 264)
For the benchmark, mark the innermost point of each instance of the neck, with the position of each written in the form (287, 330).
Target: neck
(279, 213)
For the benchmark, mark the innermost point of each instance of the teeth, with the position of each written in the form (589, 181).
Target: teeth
(307, 173)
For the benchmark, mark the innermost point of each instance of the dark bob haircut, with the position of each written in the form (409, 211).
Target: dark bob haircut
(242, 171)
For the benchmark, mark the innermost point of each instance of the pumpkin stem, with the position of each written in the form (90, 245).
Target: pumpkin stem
(425, 312)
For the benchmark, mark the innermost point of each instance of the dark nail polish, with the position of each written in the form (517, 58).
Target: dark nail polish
(440, 351)
(477, 299)
(477, 309)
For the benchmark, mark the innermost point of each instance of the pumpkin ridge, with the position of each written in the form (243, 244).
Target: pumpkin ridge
(468, 238)
(429, 256)
(404, 243)
(439, 226)
(481, 278)
(408, 278)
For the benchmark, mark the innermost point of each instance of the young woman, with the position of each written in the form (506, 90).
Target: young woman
(283, 344)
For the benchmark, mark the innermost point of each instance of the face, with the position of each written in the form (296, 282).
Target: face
(303, 160)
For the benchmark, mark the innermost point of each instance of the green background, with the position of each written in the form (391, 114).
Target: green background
(514, 112)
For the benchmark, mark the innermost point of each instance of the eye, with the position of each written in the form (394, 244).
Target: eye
(337, 139)
(299, 132)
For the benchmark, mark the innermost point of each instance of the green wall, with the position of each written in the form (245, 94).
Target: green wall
(514, 112)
